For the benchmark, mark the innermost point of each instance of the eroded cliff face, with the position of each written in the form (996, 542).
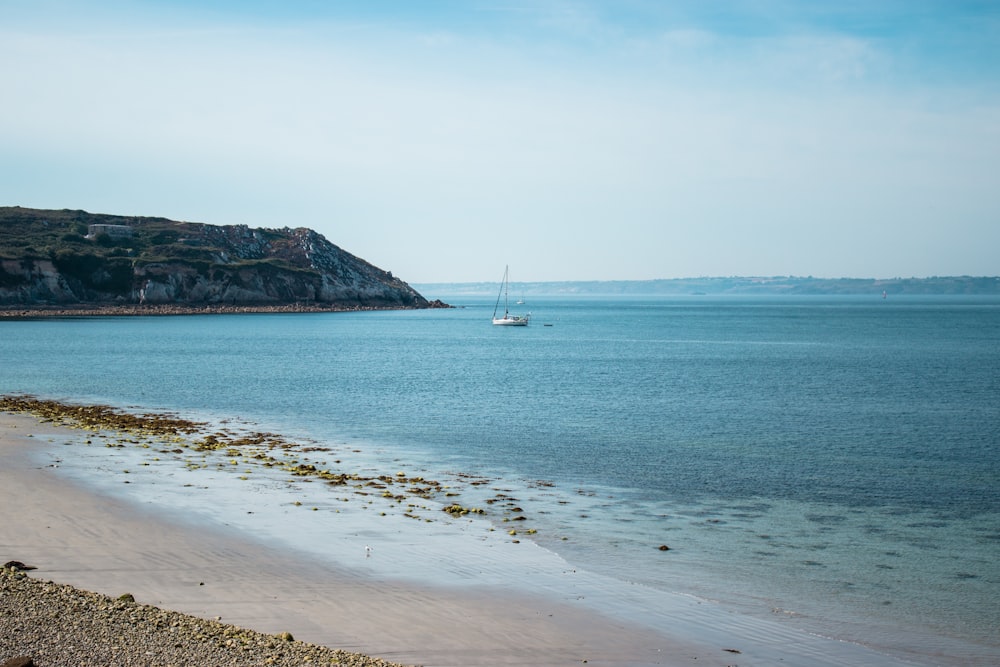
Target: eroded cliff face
(33, 281)
(163, 262)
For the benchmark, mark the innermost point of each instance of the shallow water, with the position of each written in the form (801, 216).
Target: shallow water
(418, 544)
(829, 460)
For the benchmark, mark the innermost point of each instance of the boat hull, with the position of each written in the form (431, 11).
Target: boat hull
(516, 321)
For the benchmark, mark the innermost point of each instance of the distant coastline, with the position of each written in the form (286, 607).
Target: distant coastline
(732, 285)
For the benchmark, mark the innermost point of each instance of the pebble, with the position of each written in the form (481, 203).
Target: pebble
(55, 625)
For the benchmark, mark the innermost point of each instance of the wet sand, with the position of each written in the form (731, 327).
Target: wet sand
(471, 600)
(97, 543)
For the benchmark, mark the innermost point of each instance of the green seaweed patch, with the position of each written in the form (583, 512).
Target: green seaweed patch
(172, 435)
(458, 510)
(99, 417)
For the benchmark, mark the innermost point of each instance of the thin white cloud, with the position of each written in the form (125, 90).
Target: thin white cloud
(687, 40)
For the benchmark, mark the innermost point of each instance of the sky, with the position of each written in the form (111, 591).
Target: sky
(570, 139)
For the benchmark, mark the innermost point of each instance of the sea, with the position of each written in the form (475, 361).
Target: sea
(830, 460)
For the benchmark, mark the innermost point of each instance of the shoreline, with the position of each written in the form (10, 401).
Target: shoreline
(104, 544)
(135, 309)
(98, 629)
(479, 619)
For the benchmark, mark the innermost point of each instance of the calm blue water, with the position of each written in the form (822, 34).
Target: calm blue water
(833, 458)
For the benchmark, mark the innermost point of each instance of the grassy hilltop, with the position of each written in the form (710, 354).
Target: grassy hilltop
(69, 257)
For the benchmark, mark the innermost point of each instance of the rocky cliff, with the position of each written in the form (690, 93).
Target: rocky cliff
(74, 257)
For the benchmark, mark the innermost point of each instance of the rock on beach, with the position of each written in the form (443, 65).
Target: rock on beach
(48, 624)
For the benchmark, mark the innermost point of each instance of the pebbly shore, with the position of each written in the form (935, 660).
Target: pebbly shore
(126, 310)
(56, 625)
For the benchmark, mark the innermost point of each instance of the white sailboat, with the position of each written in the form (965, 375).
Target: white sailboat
(507, 320)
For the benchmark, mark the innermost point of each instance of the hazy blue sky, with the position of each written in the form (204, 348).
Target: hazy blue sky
(572, 139)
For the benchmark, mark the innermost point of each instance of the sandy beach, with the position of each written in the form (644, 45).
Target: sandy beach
(95, 543)
(447, 598)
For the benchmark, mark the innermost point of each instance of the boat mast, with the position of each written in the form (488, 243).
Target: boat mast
(503, 287)
(506, 291)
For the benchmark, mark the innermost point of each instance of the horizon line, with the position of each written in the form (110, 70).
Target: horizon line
(717, 277)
